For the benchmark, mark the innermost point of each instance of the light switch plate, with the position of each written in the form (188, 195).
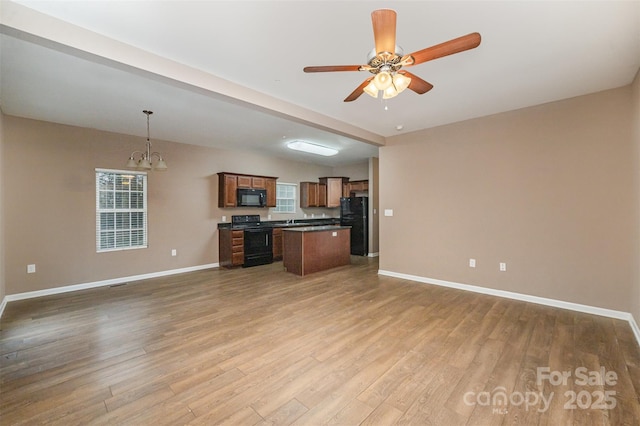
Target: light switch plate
(388, 212)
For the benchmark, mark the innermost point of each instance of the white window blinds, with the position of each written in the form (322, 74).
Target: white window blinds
(285, 198)
(121, 210)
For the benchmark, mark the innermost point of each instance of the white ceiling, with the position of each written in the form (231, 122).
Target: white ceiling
(229, 73)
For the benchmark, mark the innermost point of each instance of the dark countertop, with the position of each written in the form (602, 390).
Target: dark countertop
(283, 223)
(318, 228)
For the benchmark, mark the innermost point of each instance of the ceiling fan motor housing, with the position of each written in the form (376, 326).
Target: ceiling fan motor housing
(384, 61)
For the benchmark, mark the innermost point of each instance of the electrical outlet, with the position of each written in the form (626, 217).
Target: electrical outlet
(31, 269)
(388, 212)
(268, 217)
(224, 218)
(174, 252)
(503, 266)
(472, 263)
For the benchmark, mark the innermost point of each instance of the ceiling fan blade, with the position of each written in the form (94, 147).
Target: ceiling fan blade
(329, 68)
(384, 30)
(460, 44)
(417, 84)
(359, 91)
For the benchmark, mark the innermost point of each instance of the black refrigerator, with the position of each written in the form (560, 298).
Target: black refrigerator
(353, 213)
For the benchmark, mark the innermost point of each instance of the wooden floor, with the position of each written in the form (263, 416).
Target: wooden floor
(261, 346)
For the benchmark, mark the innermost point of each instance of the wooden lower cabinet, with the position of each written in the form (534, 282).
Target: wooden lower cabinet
(308, 250)
(231, 247)
(277, 244)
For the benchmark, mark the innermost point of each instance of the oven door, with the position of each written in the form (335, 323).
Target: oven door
(258, 246)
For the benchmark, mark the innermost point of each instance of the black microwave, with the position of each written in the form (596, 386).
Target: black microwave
(252, 197)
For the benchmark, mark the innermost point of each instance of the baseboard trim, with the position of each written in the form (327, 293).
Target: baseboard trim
(611, 313)
(113, 281)
(376, 254)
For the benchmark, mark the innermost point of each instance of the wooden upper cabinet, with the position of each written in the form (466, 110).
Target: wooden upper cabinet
(335, 189)
(356, 186)
(244, 181)
(228, 184)
(257, 183)
(322, 195)
(270, 186)
(308, 194)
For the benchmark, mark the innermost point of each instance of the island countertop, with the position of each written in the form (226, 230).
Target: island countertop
(316, 228)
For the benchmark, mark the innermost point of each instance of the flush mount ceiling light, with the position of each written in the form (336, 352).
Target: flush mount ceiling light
(312, 148)
(144, 163)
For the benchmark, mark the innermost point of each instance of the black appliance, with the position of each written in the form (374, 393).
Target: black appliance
(353, 213)
(251, 197)
(258, 239)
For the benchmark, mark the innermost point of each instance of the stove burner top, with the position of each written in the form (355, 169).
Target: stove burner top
(245, 221)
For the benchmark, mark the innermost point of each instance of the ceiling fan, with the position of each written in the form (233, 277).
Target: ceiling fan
(386, 60)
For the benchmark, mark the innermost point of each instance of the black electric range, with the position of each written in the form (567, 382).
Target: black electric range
(258, 239)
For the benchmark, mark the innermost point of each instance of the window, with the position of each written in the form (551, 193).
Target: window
(285, 198)
(121, 210)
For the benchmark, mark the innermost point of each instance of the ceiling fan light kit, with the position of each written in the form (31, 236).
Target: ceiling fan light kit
(386, 60)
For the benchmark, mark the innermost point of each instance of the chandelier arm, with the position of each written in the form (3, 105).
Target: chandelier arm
(145, 161)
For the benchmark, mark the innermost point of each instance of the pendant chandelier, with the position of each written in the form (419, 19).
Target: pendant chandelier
(144, 162)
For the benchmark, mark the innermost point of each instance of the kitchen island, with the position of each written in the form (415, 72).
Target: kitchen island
(316, 248)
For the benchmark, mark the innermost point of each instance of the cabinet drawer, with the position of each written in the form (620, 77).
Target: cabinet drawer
(237, 249)
(237, 258)
(237, 242)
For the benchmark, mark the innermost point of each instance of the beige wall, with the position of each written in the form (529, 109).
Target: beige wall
(374, 205)
(357, 171)
(49, 191)
(549, 190)
(635, 296)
